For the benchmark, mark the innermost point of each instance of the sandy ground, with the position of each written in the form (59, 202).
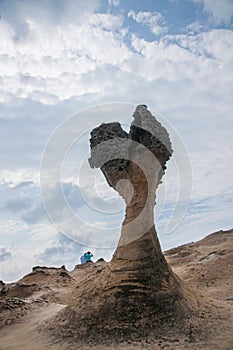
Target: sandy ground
(24, 336)
(205, 266)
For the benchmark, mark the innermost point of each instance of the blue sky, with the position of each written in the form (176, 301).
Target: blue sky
(59, 59)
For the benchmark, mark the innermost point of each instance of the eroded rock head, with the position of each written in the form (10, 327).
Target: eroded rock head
(107, 140)
(133, 164)
(114, 150)
(147, 130)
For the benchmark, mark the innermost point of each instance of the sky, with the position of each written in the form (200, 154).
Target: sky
(67, 66)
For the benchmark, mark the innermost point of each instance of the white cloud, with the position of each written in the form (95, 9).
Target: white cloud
(12, 179)
(154, 20)
(214, 44)
(62, 62)
(19, 14)
(222, 11)
(114, 2)
(4, 253)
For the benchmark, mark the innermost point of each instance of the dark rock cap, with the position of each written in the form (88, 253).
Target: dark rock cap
(110, 142)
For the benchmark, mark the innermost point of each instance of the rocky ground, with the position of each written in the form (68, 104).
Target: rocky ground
(32, 310)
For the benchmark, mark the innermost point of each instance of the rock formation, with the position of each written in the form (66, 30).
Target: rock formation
(133, 164)
(136, 295)
(143, 289)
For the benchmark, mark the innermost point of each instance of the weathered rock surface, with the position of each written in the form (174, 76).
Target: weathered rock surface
(133, 164)
(137, 294)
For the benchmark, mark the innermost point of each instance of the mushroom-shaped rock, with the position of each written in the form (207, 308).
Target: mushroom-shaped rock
(142, 286)
(133, 164)
(137, 294)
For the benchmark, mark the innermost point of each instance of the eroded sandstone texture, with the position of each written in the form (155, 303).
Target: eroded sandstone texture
(133, 164)
(141, 292)
(136, 296)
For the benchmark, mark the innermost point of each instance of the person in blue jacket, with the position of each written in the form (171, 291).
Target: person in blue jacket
(88, 256)
(83, 259)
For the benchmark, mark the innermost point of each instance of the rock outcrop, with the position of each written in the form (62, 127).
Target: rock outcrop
(136, 295)
(89, 309)
(143, 289)
(133, 164)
